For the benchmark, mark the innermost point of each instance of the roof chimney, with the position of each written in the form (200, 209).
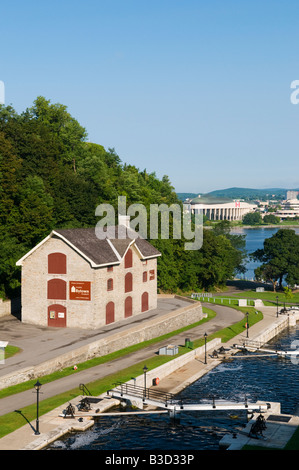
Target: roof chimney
(124, 220)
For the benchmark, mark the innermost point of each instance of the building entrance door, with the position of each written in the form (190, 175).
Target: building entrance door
(57, 316)
(144, 302)
(110, 313)
(128, 307)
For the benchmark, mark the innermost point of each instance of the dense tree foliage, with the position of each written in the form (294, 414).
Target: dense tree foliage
(280, 259)
(51, 177)
(271, 219)
(252, 218)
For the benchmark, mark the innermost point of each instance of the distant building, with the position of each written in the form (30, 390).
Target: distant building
(292, 195)
(219, 208)
(74, 279)
(289, 209)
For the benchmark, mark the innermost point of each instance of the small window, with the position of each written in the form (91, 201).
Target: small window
(110, 284)
(145, 276)
(57, 289)
(110, 269)
(57, 263)
(152, 274)
(128, 282)
(129, 259)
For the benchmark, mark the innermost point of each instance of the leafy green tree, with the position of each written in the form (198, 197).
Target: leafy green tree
(237, 241)
(288, 293)
(271, 219)
(279, 258)
(50, 177)
(252, 218)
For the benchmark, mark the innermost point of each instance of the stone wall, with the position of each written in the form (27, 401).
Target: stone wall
(5, 307)
(171, 366)
(149, 329)
(283, 322)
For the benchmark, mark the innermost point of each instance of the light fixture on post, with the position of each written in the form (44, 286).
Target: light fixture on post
(247, 325)
(145, 369)
(37, 387)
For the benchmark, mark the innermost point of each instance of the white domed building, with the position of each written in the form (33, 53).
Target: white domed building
(219, 208)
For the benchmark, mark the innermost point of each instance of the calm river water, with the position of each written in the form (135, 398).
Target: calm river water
(254, 240)
(256, 378)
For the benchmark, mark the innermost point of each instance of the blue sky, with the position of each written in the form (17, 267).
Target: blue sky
(198, 90)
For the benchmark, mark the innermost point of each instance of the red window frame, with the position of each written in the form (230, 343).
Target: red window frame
(56, 289)
(128, 282)
(129, 259)
(56, 263)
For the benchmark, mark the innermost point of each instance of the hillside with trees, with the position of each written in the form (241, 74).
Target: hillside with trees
(51, 177)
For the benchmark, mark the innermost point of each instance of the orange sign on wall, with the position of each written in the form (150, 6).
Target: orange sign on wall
(80, 290)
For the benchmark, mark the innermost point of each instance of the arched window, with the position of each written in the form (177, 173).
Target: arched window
(110, 317)
(128, 282)
(110, 284)
(128, 307)
(129, 259)
(57, 289)
(56, 263)
(144, 302)
(144, 276)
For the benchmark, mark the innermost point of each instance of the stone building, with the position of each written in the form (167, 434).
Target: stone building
(219, 208)
(74, 279)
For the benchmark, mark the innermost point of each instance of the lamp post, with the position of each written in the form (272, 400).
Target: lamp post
(145, 369)
(205, 336)
(37, 387)
(247, 325)
(277, 306)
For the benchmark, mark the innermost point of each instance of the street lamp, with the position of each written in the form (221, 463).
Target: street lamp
(277, 306)
(205, 336)
(247, 325)
(145, 369)
(37, 387)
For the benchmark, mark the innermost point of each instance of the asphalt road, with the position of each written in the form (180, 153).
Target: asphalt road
(225, 316)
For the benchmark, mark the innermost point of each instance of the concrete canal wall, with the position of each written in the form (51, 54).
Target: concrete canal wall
(281, 323)
(170, 367)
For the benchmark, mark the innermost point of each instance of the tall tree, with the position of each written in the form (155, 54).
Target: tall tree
(279, 258)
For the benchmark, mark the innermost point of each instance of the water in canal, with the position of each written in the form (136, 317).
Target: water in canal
(269, 379)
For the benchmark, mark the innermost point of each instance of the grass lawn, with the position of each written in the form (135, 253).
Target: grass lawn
(265, 296)
(11, 351)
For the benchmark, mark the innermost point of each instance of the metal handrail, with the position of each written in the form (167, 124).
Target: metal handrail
(84, 389)
(141, 392)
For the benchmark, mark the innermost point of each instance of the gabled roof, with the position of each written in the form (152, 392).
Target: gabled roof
(100, 252)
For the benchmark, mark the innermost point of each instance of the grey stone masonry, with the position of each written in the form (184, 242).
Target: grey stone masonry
(97, 286)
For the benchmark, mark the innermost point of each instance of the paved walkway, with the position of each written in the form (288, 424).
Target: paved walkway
(39, 344)
(51, 423)
(225, 316)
